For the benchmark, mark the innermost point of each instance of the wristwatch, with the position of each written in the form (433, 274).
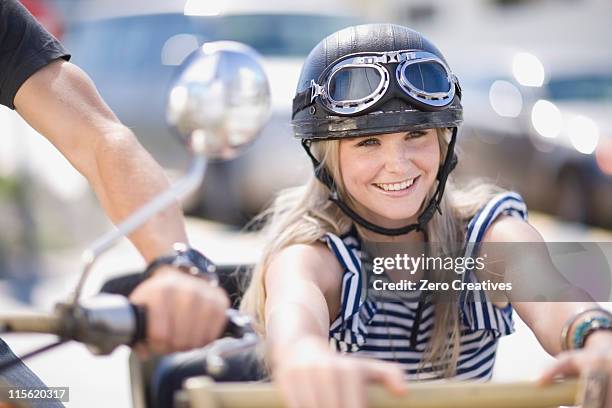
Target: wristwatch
(187, 260)
(584, 328)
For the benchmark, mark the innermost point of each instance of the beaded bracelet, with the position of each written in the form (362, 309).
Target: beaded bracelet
(584, 328)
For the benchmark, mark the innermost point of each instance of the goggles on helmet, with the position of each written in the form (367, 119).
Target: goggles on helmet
(363, 81)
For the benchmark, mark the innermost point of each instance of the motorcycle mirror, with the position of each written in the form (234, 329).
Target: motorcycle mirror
(219, 100)
(218, 103)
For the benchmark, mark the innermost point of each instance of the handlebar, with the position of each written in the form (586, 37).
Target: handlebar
(30, 323)
(203, 392)
(102, 322)
(105, 322)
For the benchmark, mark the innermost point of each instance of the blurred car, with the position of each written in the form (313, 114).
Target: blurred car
(541, 123)
(131, 54)
(47, 15)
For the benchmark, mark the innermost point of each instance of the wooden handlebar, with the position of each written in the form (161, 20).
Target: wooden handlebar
(30, 323)
(203, 392)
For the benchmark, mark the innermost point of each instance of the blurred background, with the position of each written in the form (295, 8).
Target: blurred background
(537, 85)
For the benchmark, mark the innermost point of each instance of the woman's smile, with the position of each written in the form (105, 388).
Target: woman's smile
(398, 189)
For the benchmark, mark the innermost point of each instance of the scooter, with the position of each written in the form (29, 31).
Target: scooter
(219, 101)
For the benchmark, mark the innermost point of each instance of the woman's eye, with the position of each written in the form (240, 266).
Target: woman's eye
(368, 142)
(415, 134)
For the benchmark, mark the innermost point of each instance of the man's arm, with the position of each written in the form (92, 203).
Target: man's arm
(62, 103)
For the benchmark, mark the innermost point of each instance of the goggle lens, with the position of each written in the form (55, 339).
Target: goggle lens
(429, 77)
(353, 83)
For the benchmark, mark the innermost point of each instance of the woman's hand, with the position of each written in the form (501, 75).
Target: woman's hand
(310, 375)
(596, 356)
(183, 311)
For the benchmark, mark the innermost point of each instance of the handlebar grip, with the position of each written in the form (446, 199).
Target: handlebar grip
(140, 324)
(237, 324)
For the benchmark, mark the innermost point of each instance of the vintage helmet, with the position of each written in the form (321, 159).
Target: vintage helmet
(376, 79)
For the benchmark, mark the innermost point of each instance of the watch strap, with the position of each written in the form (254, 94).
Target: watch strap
(185, 259)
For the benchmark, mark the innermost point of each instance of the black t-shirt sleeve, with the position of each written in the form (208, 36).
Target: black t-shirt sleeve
(25, 47)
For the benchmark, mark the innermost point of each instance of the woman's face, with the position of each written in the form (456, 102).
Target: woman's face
(388, 176)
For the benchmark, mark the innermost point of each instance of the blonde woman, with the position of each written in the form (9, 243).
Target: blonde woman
(377, 110)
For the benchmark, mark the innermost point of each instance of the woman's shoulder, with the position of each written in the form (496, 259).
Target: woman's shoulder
(504, 219)
(509, 228)
(316, 253)
(506, 205)
(310, 261)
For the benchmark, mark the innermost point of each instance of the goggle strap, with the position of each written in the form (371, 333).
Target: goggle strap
(302, 100)
(458, 90)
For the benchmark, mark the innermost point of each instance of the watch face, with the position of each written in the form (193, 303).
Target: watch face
(183, 262)
(204, 264)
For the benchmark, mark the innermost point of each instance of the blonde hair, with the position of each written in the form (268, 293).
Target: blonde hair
(303, 215)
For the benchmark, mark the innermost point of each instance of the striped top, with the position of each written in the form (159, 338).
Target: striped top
(382, 328)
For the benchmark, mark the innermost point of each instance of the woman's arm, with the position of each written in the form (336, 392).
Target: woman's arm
(303, 287)
(547, 320)
(530, 270)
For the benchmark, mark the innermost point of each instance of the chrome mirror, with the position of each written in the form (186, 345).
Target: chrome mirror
(220, 99)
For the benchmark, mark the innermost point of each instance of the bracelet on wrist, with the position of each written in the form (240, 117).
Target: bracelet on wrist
(185, 259)
(584, 327)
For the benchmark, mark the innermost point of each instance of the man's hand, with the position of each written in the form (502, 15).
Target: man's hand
(183, 311)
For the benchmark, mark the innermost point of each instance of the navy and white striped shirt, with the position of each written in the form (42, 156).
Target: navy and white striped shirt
(382, 328)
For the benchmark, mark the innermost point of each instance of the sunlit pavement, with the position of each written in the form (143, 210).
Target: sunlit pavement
(104, 381)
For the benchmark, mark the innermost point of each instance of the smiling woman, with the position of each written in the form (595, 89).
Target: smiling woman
(377, 110)
(381, 160)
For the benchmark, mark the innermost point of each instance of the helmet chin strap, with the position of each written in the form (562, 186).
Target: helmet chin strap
(324, 177)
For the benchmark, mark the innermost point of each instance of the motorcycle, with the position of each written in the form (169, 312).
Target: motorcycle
(218, 103)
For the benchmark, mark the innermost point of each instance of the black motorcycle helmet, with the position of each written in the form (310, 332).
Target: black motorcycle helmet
(376, 79)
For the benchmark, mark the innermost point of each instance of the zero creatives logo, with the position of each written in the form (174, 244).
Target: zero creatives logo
(532, 271)
(411, 264)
